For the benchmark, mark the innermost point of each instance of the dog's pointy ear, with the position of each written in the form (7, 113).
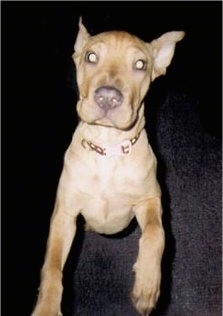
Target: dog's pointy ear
(162, 50)
(82, 36)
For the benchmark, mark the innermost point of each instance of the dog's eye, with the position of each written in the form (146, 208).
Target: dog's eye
(91, 57)
(140, 64)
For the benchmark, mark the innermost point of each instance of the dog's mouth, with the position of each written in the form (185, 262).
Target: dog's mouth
(111, 118)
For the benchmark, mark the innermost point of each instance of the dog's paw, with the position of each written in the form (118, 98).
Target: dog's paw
(46, 311)
(145, 295)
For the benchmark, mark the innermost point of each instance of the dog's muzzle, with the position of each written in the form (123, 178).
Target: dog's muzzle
(108, 98)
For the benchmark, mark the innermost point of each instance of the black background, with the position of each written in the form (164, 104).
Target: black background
(38, 106)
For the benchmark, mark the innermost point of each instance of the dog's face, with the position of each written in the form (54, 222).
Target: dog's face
(114, 71)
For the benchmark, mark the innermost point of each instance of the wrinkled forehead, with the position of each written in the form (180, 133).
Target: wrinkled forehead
(115, 42)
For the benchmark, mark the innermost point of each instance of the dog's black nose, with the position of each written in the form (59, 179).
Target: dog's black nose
(108, 98)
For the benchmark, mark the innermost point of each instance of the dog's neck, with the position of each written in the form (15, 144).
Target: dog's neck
(110, 141)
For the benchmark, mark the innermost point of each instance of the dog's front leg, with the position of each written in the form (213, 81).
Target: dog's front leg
(62, 231)
(148, 265)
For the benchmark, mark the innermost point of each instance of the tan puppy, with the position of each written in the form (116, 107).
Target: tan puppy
(109, 173)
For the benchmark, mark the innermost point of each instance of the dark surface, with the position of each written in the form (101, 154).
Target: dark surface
(183, 111)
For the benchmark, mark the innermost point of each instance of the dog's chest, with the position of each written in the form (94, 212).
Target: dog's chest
(108, 196)
(105, 175)
(113, 176)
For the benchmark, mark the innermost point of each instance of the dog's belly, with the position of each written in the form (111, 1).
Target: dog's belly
(107, 215)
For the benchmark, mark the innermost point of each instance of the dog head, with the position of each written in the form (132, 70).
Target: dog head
(114, 72)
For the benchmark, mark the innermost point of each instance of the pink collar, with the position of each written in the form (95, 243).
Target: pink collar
(120, 149)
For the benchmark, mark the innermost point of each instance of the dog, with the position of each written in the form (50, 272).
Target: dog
(109, 172)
